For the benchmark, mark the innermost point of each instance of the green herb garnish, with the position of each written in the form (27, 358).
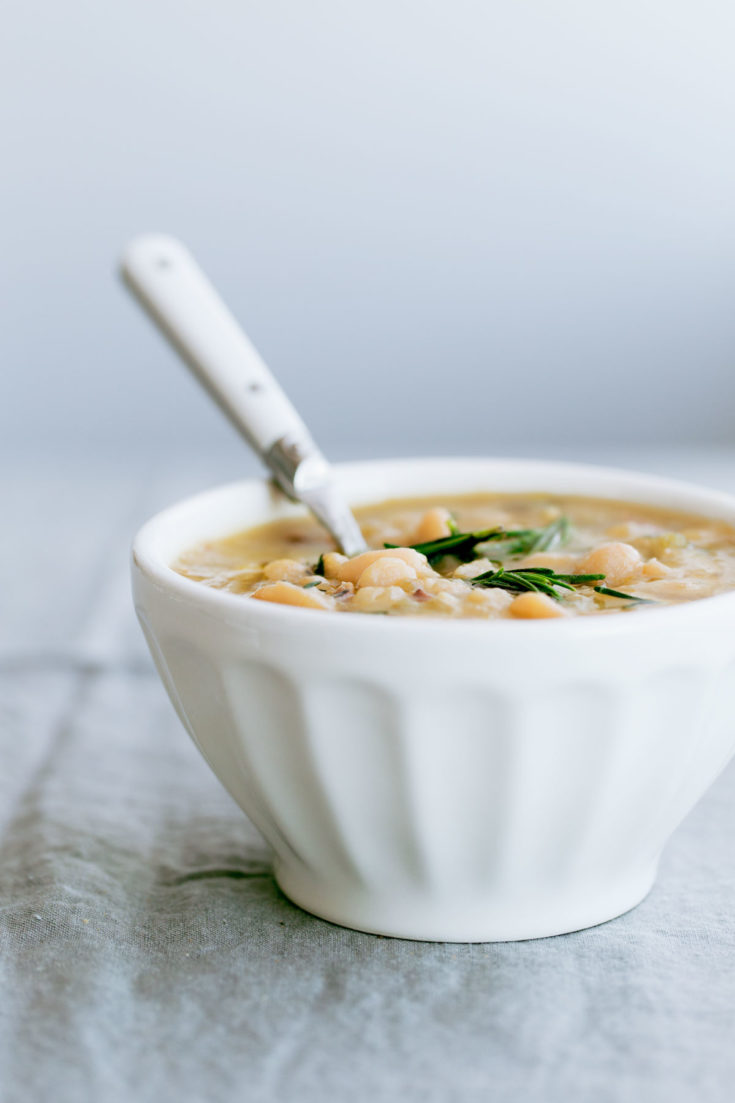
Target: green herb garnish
(542, 580)
(319, 569)
(462, 545)
(553, 535)
(459, 544)
(545, 581)
(309, 585)
(466, 546)
(626, 597)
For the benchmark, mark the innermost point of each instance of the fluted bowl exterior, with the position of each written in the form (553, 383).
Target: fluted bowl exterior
(442, 779)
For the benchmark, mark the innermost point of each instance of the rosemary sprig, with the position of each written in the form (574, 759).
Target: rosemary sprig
(553, 535)
(462, 545)
(466, 546)
(627, 597)
(542, 580)
(545, 581)
(459, 544)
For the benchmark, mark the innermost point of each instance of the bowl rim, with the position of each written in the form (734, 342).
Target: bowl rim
(231, 608)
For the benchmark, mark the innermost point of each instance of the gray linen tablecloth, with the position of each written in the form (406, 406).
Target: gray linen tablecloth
(147, 954)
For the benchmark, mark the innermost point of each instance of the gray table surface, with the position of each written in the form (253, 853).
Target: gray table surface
(146, 953)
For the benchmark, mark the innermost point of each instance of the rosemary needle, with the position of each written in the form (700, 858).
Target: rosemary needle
(628, 597)
(462, 545)
(540, 579)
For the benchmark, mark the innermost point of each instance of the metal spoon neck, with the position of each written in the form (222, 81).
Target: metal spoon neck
(303, 473)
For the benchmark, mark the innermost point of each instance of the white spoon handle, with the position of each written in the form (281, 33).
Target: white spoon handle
(172, 287)
(184, 304)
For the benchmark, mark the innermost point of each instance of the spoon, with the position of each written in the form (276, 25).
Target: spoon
(185, 306)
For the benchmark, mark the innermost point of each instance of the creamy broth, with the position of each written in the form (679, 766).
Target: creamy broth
(541, 556)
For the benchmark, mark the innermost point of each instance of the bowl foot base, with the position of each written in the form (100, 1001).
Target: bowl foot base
(427, 918)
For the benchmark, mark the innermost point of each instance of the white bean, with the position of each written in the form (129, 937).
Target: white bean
(531, 605)
(616, 561)
(333, 562)
(434, 525)
(387, 571)
(288, 570)
(286, 593)
(351, 569)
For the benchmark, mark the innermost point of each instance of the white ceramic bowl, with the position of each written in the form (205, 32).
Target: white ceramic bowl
(455, 780)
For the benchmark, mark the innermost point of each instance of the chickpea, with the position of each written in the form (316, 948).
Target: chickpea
(616, 561)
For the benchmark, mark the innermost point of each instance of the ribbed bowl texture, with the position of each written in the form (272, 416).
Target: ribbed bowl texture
(440, 779)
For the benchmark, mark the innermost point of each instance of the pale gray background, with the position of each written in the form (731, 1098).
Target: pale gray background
(457, 227)
(462, 226)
